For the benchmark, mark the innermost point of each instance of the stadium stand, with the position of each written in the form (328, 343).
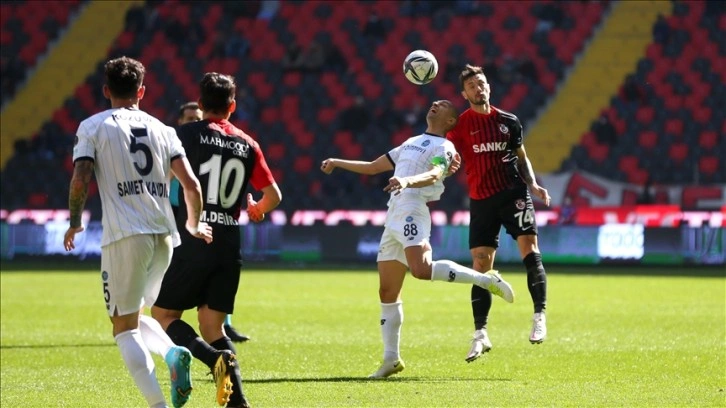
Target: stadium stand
(26, 30)
(347, 51)
(666, 113)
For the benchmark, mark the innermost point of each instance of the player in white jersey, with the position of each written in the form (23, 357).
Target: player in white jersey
(133, 155)
(419, 165)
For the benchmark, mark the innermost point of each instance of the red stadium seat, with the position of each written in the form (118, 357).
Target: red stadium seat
(638, 176)
(303, 164)
(648, 139)
(678, 152)
(709, 139)
(352, 151)
(327, 115)
(275, 152)
(645, 115)
(674, 126)
(628, 164)
(708, 165)
(303, 138)
(598, 152)
(38, 200)
(702, 115)
(342, 139)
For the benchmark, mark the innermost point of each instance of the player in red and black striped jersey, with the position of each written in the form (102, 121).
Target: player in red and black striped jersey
(188, 113)
(206, 277)
(500, 179)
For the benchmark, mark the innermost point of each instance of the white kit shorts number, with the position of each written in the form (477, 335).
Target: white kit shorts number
(406, 225)
(132, 269)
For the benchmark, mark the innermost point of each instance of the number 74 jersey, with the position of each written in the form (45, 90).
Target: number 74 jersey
(132, 153)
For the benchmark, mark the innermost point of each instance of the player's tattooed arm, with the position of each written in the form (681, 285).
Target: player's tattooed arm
(527, 172)
(525, 169)
(82, 173)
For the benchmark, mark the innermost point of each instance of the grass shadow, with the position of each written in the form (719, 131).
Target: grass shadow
(366, 380)
(54, 346)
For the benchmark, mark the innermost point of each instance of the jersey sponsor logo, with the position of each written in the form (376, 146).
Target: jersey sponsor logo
(520, 204)
(490, 147)
(503, 128)
(425, 143)
(238, 149)
(138, 187)
(413, 147)
(217, 217)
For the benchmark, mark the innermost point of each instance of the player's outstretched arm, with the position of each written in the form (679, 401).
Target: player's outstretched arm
(193, 198)
(397, 184)
(527, 172)
(271, 198)
(82, 173)
(379, 165)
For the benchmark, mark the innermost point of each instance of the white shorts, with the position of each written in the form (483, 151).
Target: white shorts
(132, 269)
(406, 225)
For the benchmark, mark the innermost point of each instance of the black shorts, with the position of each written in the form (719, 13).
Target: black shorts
(188, 284)
(512, 208)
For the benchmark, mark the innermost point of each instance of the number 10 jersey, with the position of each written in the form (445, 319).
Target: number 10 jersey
(225, 160)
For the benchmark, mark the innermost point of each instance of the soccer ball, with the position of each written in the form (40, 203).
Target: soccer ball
(420, 67)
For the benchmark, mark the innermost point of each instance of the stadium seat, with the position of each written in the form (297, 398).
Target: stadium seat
(708, 165)
(648, 139)
(678, 152)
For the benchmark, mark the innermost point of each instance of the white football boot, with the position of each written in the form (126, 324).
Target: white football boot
(539, 328)
(499, 286)
(479, 344)
(388, 368)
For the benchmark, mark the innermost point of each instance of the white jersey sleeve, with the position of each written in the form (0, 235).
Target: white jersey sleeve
(132, 152)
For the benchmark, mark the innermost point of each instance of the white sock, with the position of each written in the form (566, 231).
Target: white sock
(141, 366)
(155, 338)
(449, 271)
(391, 321)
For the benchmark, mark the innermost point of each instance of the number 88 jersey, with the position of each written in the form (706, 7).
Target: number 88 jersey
(225, 160)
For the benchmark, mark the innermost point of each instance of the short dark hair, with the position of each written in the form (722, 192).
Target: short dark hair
(124, 77)
(468, 72)
(217, 92)
(188, 105)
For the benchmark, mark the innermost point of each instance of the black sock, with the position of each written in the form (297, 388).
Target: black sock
(481, 303)
(536, 280)
(238, 395)
(182, 334)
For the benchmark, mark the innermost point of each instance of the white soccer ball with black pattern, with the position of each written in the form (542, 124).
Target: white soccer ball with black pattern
(420, 67)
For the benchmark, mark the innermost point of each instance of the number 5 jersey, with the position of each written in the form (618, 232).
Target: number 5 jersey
(132, 153)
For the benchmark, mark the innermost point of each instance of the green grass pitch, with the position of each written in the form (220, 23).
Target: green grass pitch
(614, 341)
